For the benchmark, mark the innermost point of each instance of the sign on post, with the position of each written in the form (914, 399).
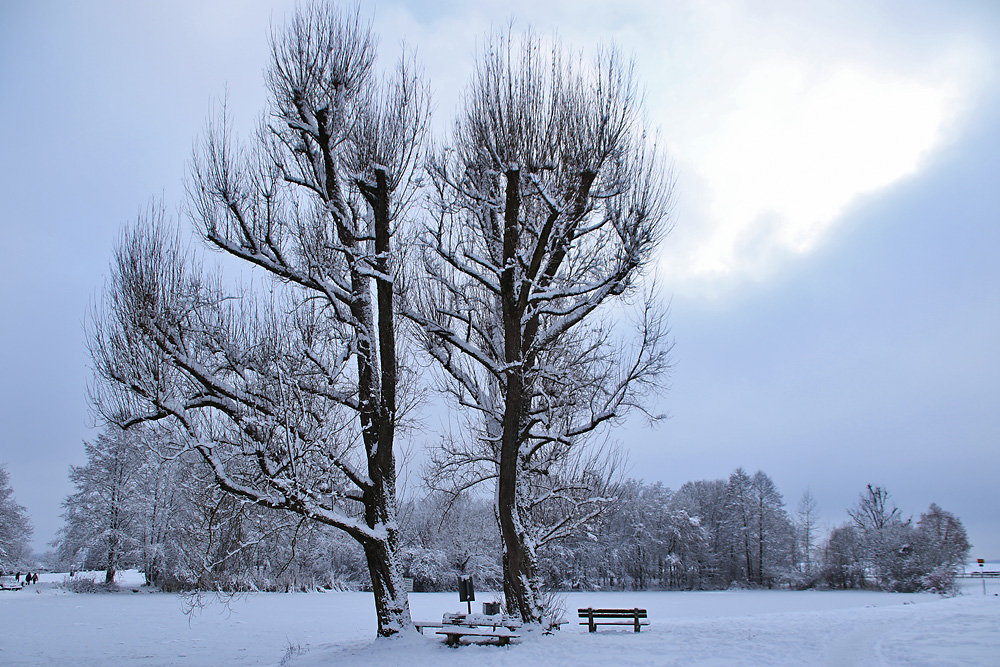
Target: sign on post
(466, 591)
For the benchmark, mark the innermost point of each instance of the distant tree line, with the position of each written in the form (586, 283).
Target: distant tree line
(714, 534)
(168, 519)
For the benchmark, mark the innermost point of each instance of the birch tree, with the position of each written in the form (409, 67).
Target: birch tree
(549, 201)
(291, 398)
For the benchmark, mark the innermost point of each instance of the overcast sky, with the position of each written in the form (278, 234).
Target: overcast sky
(833, 272)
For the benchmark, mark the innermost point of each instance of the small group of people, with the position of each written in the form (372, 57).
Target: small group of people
(28, 578)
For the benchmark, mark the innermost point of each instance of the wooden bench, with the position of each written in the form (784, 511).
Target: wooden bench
(454, 635)
(618, 617)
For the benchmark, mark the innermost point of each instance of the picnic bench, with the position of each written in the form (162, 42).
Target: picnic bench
(596, 617)
(500, 627)
(8, 584)
(454, 634)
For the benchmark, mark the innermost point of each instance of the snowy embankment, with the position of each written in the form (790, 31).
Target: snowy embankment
(43, 625)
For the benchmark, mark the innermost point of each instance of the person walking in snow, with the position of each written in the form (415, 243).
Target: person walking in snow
(34, 578)
(17, 577)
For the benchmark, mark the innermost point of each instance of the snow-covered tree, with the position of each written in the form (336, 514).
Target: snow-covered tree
(772, 532)
(942, 548)
(844, 558)
(888, 540)
(167, 488)
(549, 202)
(942, 539)
(739, 527)
(103, 516)
(706, 501)
(874, 510)
(15, 526)
(805, 533)
(883, 550)
(293, 398)
(445, 538)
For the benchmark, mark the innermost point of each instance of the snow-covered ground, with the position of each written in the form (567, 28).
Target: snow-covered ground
(43, 625)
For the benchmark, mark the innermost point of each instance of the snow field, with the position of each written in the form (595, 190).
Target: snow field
(44, 625)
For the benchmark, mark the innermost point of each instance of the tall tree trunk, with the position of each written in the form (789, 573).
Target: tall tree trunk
(392, 605)
(391, 602)
(520, 562)
(109, 572)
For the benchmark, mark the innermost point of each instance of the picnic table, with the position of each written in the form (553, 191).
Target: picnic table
(8, 584)
(500, 627)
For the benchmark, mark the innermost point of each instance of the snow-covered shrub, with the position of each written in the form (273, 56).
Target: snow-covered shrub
(553, 609)
(941, 580)
(87, 584)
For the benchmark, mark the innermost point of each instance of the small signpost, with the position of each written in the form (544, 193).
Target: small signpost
(466, 591)
(982, 561)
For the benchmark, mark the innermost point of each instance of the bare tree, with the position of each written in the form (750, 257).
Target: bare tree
(291, 398)
(873, 511)
(806, 515)
(888, 541)
(548, 205)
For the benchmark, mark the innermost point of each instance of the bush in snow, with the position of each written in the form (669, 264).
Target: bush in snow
(87, 584)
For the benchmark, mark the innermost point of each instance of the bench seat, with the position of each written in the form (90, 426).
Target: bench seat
(420, 625)
(454, 635)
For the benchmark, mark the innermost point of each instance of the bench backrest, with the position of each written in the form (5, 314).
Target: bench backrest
(612, 613)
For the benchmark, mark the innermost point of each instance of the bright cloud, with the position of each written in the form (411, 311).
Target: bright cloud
(796, 152)
(778, 116)
(779, 121)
